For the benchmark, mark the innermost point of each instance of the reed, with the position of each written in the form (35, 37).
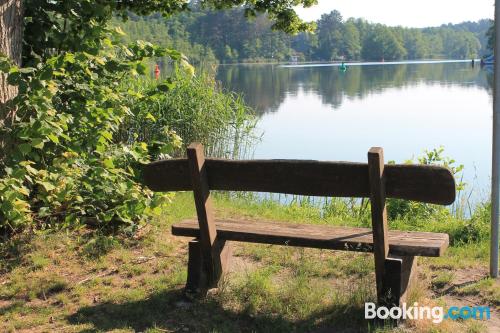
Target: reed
(196, 108)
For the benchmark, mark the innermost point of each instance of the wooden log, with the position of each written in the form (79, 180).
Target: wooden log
(408, 276)
(223, 252)
(400, 273)
(424, 183)
(198, 282)
(379, 214)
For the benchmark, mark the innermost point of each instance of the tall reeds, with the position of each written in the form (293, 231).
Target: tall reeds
(197, 109)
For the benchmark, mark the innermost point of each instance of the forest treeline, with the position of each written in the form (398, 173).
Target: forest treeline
(228, 37)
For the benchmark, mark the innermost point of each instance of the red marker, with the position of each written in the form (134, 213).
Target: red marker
(157, 72)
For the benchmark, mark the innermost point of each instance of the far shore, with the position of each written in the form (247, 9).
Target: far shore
(351, 63)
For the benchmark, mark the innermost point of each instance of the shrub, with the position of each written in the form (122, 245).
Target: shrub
(66, 163)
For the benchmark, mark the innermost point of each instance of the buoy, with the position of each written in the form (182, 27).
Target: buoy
(157, 72)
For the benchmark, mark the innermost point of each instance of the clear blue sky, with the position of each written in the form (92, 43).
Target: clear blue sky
(410, 13)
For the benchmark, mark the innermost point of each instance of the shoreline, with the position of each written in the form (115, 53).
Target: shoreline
(351, 63)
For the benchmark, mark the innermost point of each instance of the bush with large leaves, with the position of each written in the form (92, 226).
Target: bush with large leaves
(64, 163)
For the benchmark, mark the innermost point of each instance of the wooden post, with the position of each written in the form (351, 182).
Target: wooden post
(379, 215)
(398, 275)
(196, 278)
(208, 255)
(393, 274)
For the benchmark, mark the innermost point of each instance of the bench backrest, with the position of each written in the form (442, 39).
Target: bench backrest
(423, 183)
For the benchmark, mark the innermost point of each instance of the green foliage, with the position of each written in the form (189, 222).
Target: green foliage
(404, 209)
(479, 224)
(435, 157)
(382, 43)
(75, 25)
(490, 34)
(330, 36)
(357, 39)
(279, 11)
(169, 33)
(67, 164)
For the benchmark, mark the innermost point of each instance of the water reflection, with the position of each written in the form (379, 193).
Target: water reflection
(265, 87)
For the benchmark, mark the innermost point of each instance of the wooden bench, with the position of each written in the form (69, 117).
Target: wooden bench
(394, 251)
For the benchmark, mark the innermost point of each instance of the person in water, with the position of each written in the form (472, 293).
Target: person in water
(343, 67)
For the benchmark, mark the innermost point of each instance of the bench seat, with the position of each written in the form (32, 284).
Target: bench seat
(401, 243)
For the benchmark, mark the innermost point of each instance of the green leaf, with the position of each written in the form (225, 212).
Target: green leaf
(46, 74)
(25, 148)
(31, 170)
(69, 57)
(53, 138)
(150, 117)
(163, 87)
(24, 191)
(119, 31)
(26, 70)
(141, 68)
(14, 78)
(4, 65)
(108, 163)
(48, 186)
(37, 143)
(107, 134)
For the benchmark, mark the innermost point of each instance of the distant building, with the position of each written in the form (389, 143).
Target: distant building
(294, 58)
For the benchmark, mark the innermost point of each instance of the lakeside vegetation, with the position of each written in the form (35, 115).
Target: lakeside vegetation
(71, 167)
(77, 122)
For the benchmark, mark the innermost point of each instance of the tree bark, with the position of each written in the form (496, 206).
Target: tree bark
(11, 24)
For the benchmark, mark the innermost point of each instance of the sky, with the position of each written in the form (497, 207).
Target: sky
(409, 13)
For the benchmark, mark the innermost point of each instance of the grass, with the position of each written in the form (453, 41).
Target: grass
(83, 281)
(486, 289)
(442, 279)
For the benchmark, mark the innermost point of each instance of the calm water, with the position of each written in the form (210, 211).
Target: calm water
(318, 112)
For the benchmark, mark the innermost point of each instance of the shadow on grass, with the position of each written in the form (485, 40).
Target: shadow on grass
(171, 311)
(13, 251)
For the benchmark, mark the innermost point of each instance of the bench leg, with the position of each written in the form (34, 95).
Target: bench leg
(398, 275)
(198, 279)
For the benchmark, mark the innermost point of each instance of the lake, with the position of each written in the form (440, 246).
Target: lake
(319, 112)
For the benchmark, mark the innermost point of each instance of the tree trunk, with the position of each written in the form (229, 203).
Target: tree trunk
(11, 23)
(11, 29)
